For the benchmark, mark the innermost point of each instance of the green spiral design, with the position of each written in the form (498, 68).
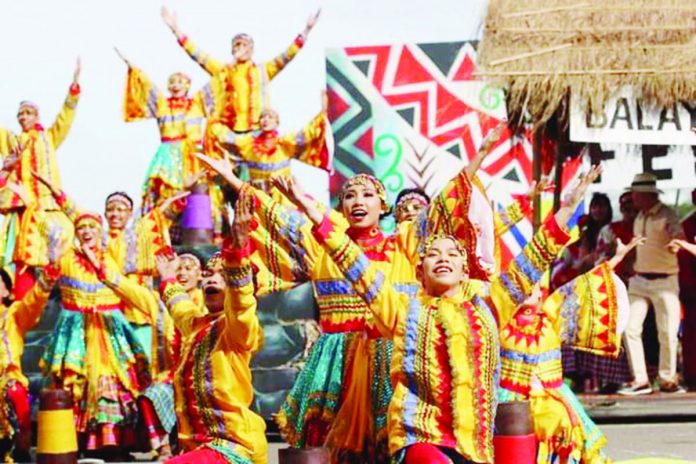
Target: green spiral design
(389, 147)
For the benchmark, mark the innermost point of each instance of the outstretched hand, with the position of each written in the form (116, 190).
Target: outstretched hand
(54, 191)
(169, 18)
(120, 55)
(678, 244)
(78, 70)
(164, 206)
(485, 149)
(167, 266)
(224, 168)
(578, 193)
(241, 226)
(623, 249)
(311, 22)
(293, 191)
(91, 256)
(545, 184)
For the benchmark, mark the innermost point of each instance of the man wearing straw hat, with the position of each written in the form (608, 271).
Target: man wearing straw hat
(655, 282)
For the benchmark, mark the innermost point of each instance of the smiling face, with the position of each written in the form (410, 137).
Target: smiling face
(28, 117)
(178, 85)
(242, 49)
(443, 266)
(117, 213)
(88, 232)
(363, 201)
(188, 274)
(409, 207)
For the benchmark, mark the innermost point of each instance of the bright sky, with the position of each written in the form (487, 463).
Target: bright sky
(102, 153)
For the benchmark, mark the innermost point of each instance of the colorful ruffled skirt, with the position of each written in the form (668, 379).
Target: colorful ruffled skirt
(564, 430)
(165, 176)
(341, 397)
(97, 357)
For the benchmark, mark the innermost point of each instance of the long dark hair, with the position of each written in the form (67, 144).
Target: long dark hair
(592, 228)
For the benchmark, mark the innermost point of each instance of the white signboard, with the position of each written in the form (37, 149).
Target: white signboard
(628, 119)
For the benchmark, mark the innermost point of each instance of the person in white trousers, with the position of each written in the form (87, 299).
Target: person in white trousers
(655, 282)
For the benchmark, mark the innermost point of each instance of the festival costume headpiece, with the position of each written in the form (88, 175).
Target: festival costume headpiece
(28, 104)
(214, 264)
(434, 237)
(88, 217)
(365, 180)
(190, 257)
(243, 36)
(120, 197)
(181, 75)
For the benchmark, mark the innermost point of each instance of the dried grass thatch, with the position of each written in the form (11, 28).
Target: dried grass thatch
(541, 50)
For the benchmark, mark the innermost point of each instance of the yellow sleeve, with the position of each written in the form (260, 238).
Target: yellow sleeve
(27, 311)
(142, 98)
(181, 307)
(309, 144)
(139, 297)
(511, 215)
(585, 311)
(369, 282)
(204, 60)
(61, 126)
(290, 228)
(211, 99)
(509, 289)
(237, 145)
(277, 64)
(243, 327)
(8, 142)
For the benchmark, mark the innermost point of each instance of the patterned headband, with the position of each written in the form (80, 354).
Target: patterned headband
(365, 180)
(88, 217)
(243, 36)
(214, 263)
(28, 104)
(190, 257)
(417, 197)
(182, 75)
(118, 197)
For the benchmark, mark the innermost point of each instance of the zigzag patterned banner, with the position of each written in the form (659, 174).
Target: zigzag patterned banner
(412, 115)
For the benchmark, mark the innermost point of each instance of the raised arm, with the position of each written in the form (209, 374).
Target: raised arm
(66, 203)
(28, 310)
(309, 144)
(204, 60)
(142, 99)
(61, 126)
(243, 327)
(277, 64)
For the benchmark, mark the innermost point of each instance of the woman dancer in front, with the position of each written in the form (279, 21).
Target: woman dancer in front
(340, 398)
(446, 344)
(94, 353)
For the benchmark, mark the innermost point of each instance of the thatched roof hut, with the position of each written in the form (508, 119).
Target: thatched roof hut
(541, 50)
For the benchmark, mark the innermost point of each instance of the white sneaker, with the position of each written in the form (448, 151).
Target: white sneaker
(635, 390)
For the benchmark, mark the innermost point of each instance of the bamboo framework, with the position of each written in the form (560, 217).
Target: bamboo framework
(541, 50)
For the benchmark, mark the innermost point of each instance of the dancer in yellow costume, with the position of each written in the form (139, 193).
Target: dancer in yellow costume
(446, 341)
(180, 122)
(238, 91)
(17, 317)
(588, 313)
(213, 388)
(36, 148)
(268, 154)
(94, 353)
(348, 366)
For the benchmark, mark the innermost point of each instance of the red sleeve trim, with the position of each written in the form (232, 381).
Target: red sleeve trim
(182, 40)
(560, 234)
(323, 230)
(165, 282)
(235, 255)
(300, 41)
(75, 90)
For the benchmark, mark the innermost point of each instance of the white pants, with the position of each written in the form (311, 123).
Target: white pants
(664, 296)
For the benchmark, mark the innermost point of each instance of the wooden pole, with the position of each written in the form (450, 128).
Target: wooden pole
(536, 169)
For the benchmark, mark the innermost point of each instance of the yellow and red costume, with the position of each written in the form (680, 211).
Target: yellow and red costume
(237, 92)
(213, 389)
(445, 364)
(15, 321)
(585, 315)
(268, 154)
(38, 154)
(180, 122)
(94, 352)
(345, 379)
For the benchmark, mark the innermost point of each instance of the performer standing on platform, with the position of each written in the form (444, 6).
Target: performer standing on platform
(36, 147)
(446, 342)
(344, 391)
(180, 122)
(16, 319)
(94, 353)
(213, 388)
(240, 88)
(589, 314)
(267, 154)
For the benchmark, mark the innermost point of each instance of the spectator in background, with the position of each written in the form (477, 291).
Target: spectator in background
(579, 257)
(409, 203)
(687, 283)
(655, 281)
(623, 230)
